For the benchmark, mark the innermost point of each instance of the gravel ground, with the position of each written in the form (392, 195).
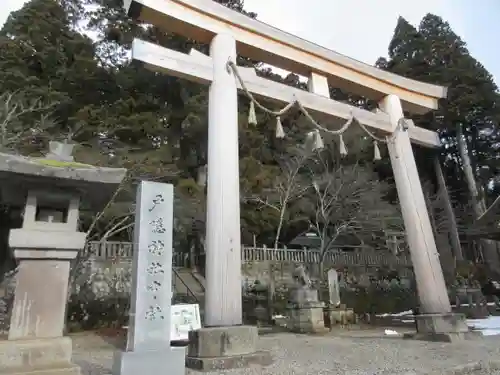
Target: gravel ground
(345, 352)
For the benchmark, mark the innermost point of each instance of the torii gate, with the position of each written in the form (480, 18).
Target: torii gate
(229, 32)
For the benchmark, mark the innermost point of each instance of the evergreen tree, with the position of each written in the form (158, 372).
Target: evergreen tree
(435, 54)
(121, 114)
(45, 58)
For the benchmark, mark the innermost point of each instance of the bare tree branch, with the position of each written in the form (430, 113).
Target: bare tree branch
(13, 129)
(288, 187)
(347, 200)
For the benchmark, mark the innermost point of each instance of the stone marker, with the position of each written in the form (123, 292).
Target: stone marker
(148, 348)
(333, 288)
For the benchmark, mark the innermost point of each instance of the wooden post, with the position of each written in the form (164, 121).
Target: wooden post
(223, 305)
(428, 273)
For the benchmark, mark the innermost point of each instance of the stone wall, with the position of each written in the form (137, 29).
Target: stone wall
(264, 271)
(281, 272)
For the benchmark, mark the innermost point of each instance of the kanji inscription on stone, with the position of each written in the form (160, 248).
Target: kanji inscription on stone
(155, 286)
(157, 226)
(155, 268)
(156, 201)
(154, 312)
(156, 247)
(152, 267)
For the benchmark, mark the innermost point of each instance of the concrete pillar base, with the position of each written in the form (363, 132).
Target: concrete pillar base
(222, 348)
(37, 357)
(443, 328)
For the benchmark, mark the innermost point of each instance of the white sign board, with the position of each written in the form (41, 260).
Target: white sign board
(184, 318)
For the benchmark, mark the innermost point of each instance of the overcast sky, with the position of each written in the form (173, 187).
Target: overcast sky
(362, 29)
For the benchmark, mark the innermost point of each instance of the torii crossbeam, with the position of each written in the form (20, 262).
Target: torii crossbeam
(198, 67)
(228, 32)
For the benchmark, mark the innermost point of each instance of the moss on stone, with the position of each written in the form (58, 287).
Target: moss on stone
(62, 164)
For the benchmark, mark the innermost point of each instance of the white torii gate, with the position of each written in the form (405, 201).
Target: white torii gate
(228, 32)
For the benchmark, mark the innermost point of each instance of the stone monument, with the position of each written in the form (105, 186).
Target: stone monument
(336, 312)
(333, 288)
(51, 190)
(148, 349)
(304, 308)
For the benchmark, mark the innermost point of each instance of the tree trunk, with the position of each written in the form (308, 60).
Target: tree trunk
(490, 254)
(441, 243)
(452, 222)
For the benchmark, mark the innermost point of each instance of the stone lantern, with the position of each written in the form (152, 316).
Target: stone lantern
(51, 192)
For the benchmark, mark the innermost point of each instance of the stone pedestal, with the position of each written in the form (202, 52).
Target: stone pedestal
(166, 360)
(340, 315)
(40, 357)
(35, 342)
(222, 348)
(442, 327)
(307, 317)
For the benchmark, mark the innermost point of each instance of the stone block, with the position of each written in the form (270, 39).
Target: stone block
(43, 285)
(443, 328)
(37, 356)
(307, 318)
(339, 316)
(441, 323)
(221, 348)
(222, 341)
(169, 360)
(259, 358)
(304, 295)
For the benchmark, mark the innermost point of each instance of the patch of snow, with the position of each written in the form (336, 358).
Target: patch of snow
(467, 305)
(390, 332)
(489, 326)
(403, 313)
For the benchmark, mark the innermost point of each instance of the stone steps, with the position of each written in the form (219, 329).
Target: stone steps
(187, 282)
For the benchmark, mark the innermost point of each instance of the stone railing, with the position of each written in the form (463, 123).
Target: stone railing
(123, 251)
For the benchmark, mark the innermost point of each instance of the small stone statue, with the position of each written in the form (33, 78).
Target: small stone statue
(301, 278)
(303, 291)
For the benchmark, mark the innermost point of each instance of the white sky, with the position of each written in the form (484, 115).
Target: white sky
(362, 29)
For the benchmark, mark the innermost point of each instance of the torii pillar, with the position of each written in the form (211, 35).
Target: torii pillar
(436, 322)
(224, 342)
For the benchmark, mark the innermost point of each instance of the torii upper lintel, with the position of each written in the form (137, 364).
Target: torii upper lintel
(202, 19)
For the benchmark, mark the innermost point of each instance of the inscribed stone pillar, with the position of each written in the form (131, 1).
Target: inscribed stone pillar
(148, 347)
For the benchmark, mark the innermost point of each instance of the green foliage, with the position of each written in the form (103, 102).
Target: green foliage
(377, 300)
(62, 164)
(434, 53)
